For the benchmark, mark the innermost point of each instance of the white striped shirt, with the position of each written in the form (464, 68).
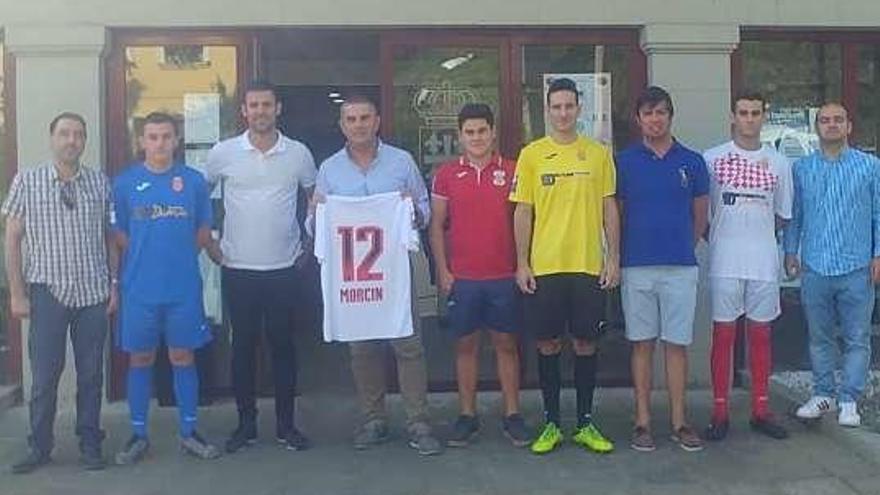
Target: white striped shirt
(64, 245)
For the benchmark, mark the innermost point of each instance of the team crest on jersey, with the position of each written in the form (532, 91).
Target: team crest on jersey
(582, 155)
(763, 163)
(499, 178)
(177, 184)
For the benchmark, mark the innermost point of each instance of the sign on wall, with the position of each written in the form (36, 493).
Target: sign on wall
(594, 90)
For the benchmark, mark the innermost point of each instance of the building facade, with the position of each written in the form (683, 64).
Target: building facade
(114, 62)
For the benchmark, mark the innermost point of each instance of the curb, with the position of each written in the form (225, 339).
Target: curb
(864, 442)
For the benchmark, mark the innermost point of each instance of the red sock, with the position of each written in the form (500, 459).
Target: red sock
(759, 365)
(723, 337)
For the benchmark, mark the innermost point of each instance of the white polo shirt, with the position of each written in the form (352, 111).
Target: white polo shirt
(260, 230)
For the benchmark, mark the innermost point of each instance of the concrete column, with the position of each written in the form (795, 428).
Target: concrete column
(57, 69)
(692, 62)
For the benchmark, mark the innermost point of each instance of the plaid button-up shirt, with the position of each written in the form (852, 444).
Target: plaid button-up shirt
(65, 227)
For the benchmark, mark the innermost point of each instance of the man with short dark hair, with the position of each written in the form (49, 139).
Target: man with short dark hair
(751, 195)
(161, 221)
(663, 191)
(833, 242)
(63, 280)
(366, 166)
(473, 248)
(262, 173)
(564, 195)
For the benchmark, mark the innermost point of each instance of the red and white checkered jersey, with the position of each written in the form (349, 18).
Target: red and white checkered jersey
(748, 189)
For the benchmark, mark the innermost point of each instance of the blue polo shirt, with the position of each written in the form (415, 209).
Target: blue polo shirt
(657, 194)
(161, 214)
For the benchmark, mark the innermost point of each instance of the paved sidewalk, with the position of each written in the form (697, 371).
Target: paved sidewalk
(810, 462)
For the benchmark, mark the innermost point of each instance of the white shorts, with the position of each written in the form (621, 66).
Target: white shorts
(734, 297)
(659, 302)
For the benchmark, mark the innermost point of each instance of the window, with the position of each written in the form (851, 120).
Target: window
(795, 77)
(183, 56)
(867, 110)
(797, 72)
(604, 68)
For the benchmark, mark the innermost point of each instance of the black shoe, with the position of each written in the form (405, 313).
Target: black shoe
(244, 435)
(515, 429)
(768, 426)
(91, 458)
(294, 440)
(717, 430)
(463, 431)
(32, 461)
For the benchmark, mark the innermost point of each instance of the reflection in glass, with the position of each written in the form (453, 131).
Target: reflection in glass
(198, 89)
(867, 135)
(197, 85)
(574, 59)
(796, 78)
(430, 86)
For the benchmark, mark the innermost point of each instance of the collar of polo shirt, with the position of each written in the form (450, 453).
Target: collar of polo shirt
(279, 147)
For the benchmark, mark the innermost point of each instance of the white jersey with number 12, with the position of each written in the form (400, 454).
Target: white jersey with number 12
(363, 244)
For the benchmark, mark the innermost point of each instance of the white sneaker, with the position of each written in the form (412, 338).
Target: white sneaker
(816, 407)
(849, 415)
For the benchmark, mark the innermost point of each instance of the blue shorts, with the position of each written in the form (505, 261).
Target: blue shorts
(182, 325)
(479, 304)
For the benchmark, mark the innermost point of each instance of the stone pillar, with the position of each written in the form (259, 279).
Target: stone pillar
(692, 62)
(57, 69)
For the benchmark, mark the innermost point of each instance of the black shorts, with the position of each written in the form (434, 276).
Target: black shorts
(563, 302)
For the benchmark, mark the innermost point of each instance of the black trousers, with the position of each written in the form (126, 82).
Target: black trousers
(47, 346)
(262, 302)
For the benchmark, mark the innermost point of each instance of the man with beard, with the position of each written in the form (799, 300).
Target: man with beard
(262, 172)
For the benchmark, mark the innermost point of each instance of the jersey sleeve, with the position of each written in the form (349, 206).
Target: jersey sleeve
(204, 210)
(321, 232)
(14, 205)
(440, 184)
(212, 167)
(621, 183)
(784, 197)
(308, 172)
(523, 189)
(415, 185)
(322, 185)
(609, 174)
(408, 235)
(120, 214)
(701, 177)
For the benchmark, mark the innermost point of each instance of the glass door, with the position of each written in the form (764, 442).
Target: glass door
(197, 79)
(427, 81)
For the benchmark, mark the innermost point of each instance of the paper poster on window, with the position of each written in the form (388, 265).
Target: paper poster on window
(595, 95)
(790, 131)
(201, 113)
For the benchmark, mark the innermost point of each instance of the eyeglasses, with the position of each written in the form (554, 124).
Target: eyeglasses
(68, 195)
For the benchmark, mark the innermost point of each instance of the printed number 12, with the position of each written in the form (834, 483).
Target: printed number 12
(363, 272)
